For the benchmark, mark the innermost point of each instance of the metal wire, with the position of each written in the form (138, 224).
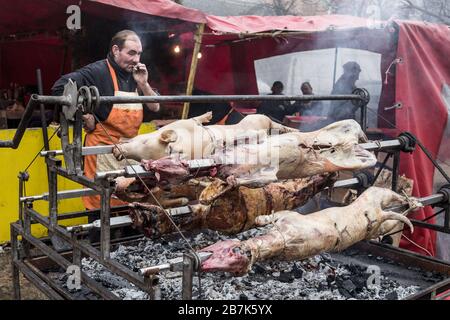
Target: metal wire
(424, 220)
(39, 152)
(424, 149)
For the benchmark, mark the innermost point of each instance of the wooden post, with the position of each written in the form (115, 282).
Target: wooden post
(190, 85)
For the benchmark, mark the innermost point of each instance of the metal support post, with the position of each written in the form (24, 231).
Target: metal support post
(76, 252)
(105, 229)
(15, 256)
(188, 276)
(395, 170)
(52, 164)
(23, 177)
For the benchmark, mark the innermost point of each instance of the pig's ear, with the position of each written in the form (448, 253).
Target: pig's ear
(168, 136)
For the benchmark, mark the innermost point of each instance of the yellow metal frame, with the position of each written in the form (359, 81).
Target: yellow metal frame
(14, 161)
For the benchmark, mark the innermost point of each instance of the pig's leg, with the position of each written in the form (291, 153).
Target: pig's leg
(204, 118)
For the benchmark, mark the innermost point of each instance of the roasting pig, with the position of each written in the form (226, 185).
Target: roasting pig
(234, 211)
(297, 155)
(294, 236)
(190, 139)
(169, 196)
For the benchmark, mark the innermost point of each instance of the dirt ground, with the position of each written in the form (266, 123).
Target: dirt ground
(28, 291)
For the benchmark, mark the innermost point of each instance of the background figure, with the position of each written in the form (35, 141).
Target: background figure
(341, 110)
(219, 109)
(276, 110)
(308, 108)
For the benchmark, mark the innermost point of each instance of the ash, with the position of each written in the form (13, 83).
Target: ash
(317, 278)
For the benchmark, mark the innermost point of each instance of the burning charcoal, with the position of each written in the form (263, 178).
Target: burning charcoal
(259, 269)
(247, 283)
(360, 282)
(323, 287)
(349, 286)
(330, 279)
(243, 297)
(297, 272)
(346, 287)
(354, 269)
(392, 296)
(286, 277)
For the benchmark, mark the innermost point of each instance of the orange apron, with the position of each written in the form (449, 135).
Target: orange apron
(122, 123)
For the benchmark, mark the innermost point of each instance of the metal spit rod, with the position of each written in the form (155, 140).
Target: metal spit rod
(66, 194)
(123, 221)
(86, 151)
(213, 98)
(204, 163)
(69, 194)
(172, 265)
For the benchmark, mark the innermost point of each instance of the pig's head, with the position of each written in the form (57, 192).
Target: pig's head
(229, 256)
(155, 145)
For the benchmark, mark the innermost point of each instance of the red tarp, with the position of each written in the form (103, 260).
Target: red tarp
(29, 15)
(161, 8)
(425, 50)
(251, 24)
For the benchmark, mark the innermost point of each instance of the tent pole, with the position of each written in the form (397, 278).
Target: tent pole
(190, 85)
(335, 65)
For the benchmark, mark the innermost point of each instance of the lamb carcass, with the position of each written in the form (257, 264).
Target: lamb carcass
(234, 211)
(294, 236)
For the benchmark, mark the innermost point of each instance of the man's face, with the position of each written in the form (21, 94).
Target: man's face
(277, 89)
(306, 89)
(130, 54)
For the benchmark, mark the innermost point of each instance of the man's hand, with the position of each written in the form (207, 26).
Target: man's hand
(88, 122)
(140, 75)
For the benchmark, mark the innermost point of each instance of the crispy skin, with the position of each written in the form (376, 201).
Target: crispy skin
(233, 211)
(295, 236)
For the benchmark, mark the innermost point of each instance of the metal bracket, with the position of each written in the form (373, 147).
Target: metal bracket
(365, 97)
(71, 93)
(398, 105)
(172, 265)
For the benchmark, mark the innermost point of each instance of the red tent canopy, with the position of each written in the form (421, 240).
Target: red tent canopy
(30, 15)
(252, 24)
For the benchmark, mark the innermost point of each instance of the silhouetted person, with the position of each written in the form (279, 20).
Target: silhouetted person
(276, 110)
(341, 110)
(308, 108)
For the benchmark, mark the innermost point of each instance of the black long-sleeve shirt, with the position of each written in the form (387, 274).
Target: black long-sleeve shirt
(97, 74)
(277, 110)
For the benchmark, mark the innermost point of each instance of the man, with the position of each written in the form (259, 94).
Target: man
(120, 74)
(276, 110)
(308, 108)
(341, 110)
